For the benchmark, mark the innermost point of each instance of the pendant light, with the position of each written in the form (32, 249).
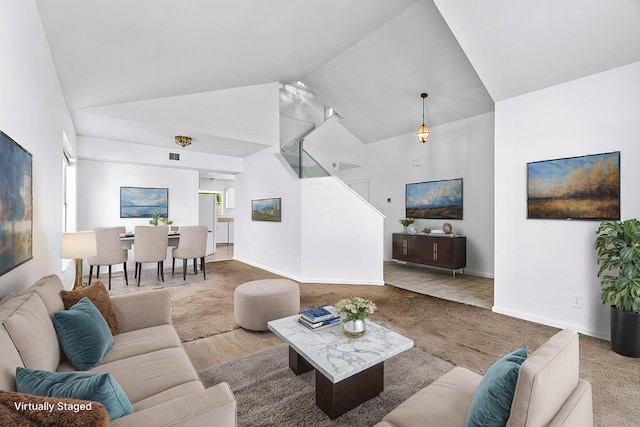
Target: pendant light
(423, 131)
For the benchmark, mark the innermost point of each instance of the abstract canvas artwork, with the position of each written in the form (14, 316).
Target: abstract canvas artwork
(16, 204)
(434, 199)
(584, 187)
(141, 202)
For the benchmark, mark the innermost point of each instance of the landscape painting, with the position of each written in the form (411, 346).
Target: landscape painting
(16, 204)
(434, 199)
(138, 202)
(266, 210)
(585, 187)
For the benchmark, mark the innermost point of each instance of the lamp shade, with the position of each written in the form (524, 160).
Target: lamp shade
(79, 245)
(423, 133)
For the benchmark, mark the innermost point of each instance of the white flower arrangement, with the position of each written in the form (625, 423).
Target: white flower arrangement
(355, 308)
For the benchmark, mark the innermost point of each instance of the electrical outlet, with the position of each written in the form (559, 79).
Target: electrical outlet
(576, 301)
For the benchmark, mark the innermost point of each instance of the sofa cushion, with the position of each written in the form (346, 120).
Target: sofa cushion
(21, 409)
(83, 333)
(444, 402)
(101, 388)
(48, 288)
(168, 395)
(8, 362)
(142, 341)
(149, 374)
(491, 402)
(99, 296)
(546, 380)
(33, 334)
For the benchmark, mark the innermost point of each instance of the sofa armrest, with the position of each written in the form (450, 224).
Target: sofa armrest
(209, 407)
(144, 309)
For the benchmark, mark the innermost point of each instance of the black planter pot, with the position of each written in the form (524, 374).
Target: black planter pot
(625, 332)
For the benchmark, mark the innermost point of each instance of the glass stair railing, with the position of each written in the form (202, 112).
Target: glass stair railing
(301, 162)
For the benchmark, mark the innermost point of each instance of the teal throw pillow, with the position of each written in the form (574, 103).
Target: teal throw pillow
(491, 402)
(83, 333)
(101, 388)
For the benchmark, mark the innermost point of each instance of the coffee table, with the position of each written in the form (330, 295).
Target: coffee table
(349, 371)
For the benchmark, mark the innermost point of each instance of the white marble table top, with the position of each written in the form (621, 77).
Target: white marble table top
(334, 354)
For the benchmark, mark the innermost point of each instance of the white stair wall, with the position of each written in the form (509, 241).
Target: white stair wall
(334, 147)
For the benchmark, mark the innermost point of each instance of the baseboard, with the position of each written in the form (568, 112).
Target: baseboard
(306, 279)
(552, 322)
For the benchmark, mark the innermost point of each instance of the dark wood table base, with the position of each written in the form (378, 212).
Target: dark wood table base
(337, 398)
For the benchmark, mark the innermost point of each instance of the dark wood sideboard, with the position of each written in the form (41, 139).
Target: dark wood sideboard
(438, 251)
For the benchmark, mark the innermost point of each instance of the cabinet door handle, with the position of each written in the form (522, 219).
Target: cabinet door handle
(435, 247)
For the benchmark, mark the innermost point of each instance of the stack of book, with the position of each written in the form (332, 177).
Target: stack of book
(319, 318)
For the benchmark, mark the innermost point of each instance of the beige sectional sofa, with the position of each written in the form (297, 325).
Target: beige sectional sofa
(147, 358)
(548, 392)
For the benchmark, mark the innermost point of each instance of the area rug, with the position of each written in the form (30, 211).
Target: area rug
(205, 307)
(268, 393)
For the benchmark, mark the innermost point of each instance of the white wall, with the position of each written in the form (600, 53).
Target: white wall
(331, 145)
(33, 112)
(542, 264)
(341, 235)
(462, 149)
(324, 235)
(99, 193)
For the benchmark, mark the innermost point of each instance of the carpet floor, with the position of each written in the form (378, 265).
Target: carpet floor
(460, 334)
(270, 394)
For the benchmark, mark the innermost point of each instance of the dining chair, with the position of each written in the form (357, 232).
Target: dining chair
(110, 252)
(150, 245)
(191, 245)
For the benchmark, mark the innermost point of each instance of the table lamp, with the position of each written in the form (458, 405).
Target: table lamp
(78, 246)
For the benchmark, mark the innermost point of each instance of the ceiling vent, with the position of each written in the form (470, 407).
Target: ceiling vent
(174, 156)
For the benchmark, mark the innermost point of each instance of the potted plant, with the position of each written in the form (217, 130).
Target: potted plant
(618, 248)
(353, 311)
(156, 217)
(407, 222)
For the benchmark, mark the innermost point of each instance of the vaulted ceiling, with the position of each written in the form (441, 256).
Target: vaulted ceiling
(142, 71)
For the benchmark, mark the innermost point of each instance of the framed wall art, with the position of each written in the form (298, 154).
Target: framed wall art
(16, 204)
(266, 210)
(434, 199)
(584, 187)
(141, 202)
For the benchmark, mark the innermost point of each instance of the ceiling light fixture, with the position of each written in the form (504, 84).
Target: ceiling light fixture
(423, 131)
(183, 141)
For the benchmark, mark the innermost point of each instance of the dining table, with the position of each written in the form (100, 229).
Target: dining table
(126, 239)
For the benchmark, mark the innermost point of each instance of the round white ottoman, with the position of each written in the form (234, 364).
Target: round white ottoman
(260, 301)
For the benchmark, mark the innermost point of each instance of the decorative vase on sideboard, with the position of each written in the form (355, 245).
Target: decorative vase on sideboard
(354, 328)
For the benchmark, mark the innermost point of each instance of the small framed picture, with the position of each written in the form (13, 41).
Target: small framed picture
(266, 210)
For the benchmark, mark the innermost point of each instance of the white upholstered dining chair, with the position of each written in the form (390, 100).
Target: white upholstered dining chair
(110, 252)
(191, 245)
(150, 245)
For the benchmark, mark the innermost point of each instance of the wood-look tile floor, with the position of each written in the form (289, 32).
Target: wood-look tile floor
(464, 288)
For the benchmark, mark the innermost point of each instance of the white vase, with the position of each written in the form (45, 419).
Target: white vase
(354, 328)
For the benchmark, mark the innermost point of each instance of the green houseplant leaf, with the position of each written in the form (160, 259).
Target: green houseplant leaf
(618, 248)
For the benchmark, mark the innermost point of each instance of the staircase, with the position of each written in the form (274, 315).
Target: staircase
(341, 234)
